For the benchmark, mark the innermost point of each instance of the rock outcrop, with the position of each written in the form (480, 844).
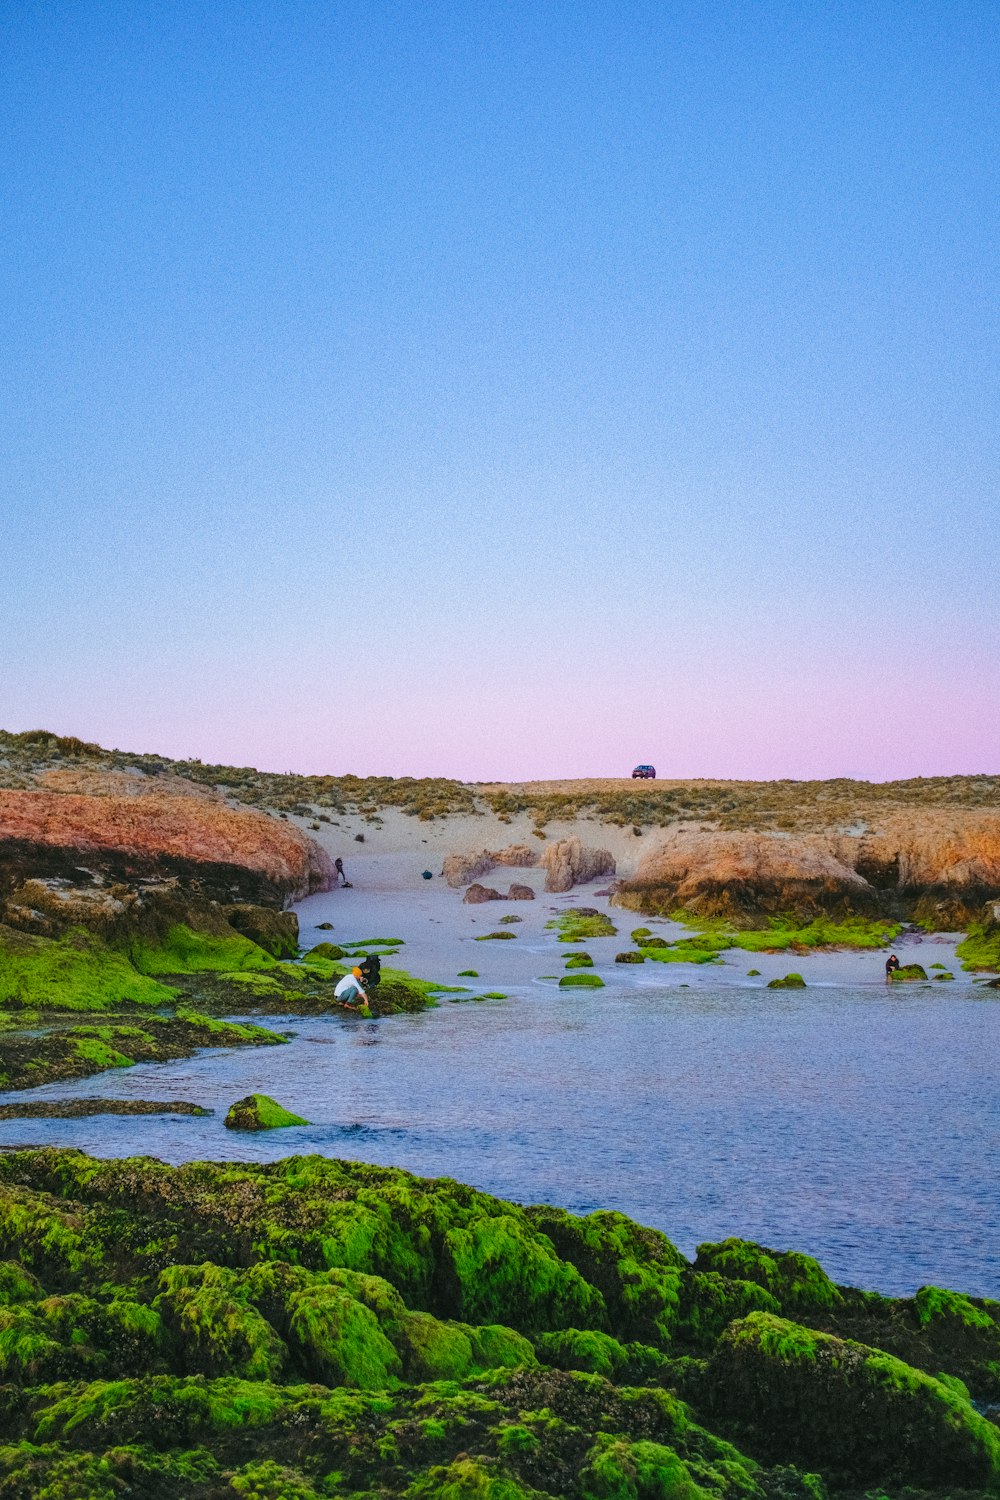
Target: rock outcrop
(739, 875)
(277, 932)
(231, 854)
(939, 867)
(518, 855)
(256, 1328)
(520, 893)
(568, 863)
(460, 869)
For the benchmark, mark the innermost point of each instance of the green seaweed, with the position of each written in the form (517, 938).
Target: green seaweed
(980, 949)
(75, 972)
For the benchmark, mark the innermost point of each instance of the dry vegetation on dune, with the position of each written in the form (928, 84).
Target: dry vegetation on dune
(789, 806)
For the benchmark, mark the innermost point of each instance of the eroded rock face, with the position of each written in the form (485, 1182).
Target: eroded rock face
(460, 869)
(518, 855)
(736, 874)
(232, 854)
(939, 867)
(568, 862)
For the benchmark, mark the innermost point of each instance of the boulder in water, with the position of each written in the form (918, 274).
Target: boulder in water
(259, 1112)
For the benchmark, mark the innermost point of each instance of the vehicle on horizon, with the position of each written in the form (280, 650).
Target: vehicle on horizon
(644, 773)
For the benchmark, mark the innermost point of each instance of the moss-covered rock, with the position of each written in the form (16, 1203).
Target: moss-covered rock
(314, 1327)
(908, 972)
(259, 1112)
(581, 982)
(857, 1413)
(277, 932)
(630, 956)
(790, 982)
(326, 950)
(796, 1282)
(579, 961)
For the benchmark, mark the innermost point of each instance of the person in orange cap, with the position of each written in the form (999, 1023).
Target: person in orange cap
(349, 990)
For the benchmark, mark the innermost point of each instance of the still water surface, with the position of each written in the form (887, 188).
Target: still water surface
(856, 1124)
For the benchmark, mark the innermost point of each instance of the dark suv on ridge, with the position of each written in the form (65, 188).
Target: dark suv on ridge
(644, 773)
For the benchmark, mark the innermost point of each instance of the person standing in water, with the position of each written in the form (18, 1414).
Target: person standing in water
(891, 965)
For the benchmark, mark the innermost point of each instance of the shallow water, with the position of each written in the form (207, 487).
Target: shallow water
(858, 1124)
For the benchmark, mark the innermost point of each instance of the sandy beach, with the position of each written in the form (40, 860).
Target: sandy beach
(389, 898)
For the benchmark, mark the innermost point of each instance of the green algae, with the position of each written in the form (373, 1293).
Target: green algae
(414, 1369)
(785, 932)
(576, 925)
(790, 982)
(185, 951)
(488, 937)
(908, 973)
(579, 961)
(980, 949)
(75, 972)
(933, 1302)
(852, 1410)
(260, 1112)
(468, 973)
(581, 982)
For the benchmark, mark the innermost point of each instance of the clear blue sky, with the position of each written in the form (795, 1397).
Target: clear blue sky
(503, 389)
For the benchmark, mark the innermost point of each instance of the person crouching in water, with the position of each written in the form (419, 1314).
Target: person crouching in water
(349, 991)
(891, 965)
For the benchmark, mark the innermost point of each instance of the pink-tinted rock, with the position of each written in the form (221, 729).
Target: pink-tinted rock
(567, 862)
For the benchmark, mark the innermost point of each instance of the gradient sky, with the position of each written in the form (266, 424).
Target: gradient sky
(503, 389)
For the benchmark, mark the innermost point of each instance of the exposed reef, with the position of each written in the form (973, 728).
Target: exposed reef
(317, 1328)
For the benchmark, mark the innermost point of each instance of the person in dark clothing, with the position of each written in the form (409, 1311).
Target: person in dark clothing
(891, 965)
(338, 865)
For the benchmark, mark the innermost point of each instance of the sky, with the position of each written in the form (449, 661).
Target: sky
(503, 390)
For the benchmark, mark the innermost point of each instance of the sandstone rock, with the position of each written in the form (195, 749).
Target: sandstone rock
(567, 863)
(520, 893)
(516, 854)
(233, 854)
(477, 894)
(460, 869)
(743, 876)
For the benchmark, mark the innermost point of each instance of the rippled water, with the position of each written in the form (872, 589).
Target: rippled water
(859, 1125)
